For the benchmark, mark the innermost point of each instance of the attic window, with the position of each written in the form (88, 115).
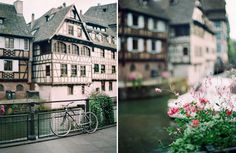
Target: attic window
(104, 10)
(49, 17)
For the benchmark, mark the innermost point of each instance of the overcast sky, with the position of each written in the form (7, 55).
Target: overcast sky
(39, 7)
(231, 11)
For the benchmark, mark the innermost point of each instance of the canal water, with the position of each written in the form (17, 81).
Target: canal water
(142, 125)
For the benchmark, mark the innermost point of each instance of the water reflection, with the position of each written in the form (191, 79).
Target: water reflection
(142, 125)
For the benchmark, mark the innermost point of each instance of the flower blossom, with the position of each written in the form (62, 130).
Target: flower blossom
(203, 100)
(158, 90)
(229, 112)
(173, 111)
(195, 123)
(2, 109)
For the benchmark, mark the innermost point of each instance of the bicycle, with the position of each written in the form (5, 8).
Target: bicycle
(61, 123)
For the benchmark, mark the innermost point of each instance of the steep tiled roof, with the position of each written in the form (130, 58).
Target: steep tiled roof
(152, 8)
(46, 29)
(92, 20)
(105, 12)
(13, 24)
(213, 4)
(214, 9)
(181, 12)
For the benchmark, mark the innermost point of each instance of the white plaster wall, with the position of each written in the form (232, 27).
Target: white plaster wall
(15, 65)
(18, 43)
(64, 30)
(112, 93)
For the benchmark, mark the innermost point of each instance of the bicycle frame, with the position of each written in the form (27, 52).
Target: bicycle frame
(68, 115)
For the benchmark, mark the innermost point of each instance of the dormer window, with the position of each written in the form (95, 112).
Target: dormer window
(49, 17)
(104, 10)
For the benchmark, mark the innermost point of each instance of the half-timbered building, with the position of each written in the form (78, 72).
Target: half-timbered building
(63, 51)
(15, 52)
(143, 35)
(192, 43)
(104, 55)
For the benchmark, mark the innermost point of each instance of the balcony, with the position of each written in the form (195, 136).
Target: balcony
(14, 76)
(14, 54)
(143, 56)
(143, 33)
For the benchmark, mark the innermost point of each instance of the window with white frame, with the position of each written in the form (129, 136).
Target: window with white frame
(113, 69)
(26, 44)
(83, 71)
(103, 68)
(8, 65)
(63, 70)
(75, 49)
(9, 42)
(135, 44)
(70, 30)
(110, 86)
(154, 46)
(73, 70)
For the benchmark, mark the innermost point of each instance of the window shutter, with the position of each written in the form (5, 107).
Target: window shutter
(130, 19)
(150, 24)
(140, 44)
(161, 26)
(1, 65)
(15, 65)
(149, 45)
(141, 21)
(158, 46)
(130, 44)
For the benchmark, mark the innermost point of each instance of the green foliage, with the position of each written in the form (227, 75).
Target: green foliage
(102, 106)
(216, 129)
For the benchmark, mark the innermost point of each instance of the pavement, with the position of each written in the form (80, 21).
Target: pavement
(102, 141)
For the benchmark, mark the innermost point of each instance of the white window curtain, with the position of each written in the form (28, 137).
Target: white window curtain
(130, 44)
(140, 45)
(149, 45)
(15, 66)
(150, 24)
(158, 46)
(161, 26)
(141, 21)
(130, 19)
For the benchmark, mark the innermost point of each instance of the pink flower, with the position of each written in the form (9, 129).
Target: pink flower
(195, 123)
(173, 111)
(229, 112)
(2, 109)
(132, 76)
(203, 100)
(158, 90)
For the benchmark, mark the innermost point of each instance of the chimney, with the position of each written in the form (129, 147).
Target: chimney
(19, 7)
(64, 4)
(32, 21)
(80, 12)
(99, 4)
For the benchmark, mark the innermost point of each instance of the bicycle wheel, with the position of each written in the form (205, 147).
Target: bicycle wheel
(60, 124)
(90, 122)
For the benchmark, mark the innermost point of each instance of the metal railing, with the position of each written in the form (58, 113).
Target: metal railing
(31, 121)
